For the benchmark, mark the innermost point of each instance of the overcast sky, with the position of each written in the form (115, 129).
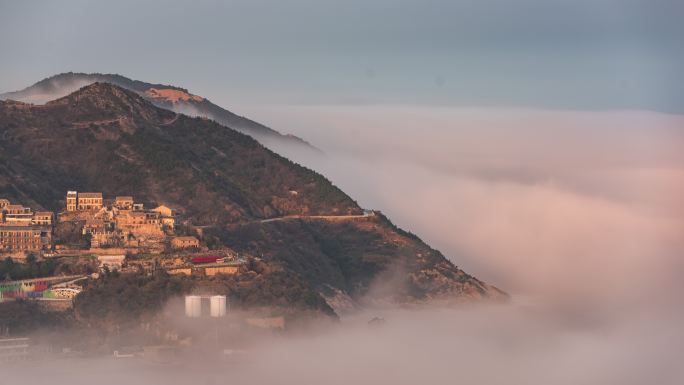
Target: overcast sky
(579, 54)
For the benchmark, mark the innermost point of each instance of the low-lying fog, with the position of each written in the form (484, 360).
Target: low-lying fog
(514, 344)
(579, 215)
(547, 203)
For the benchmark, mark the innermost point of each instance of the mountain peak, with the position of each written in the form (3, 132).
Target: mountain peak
(98, 91)
(169, 97)
(112, 100)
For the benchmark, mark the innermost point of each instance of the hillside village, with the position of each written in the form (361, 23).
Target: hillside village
(102, 242)
(119, 232)
(202, 192)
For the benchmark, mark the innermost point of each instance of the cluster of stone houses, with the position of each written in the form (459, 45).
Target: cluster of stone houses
(22, 230)
(118, 223)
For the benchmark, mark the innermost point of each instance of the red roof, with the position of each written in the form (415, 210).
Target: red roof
(206, 259)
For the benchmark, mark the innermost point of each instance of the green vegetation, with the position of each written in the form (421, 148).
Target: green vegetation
(18, 317)
(127, 297)
(276, 289)
(70, 233)
(323, 253)
(11, 270)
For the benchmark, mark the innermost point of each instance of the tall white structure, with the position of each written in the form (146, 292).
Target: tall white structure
(218, 306)
(193, 306)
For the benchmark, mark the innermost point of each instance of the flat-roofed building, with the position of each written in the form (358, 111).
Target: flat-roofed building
(21, 238)
(89, 201)
(139, 223)
(17, 215)
(127, 220)
(71, 201)
(213, 269)
(123, 202)
(113, 262)
(166, 214)
(4, 203)
(184, 242)
(179, 271)
(17, 209)
(43, 218)
(168, 222)
(93, 226)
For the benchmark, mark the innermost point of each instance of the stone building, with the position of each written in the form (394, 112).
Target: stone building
(17, 215)
(119, 222)
(22, 230)
(89, 201)
(184, 242)
(93, 226)
(167, 216)
(164, 211)
(168, 222)
(139, 223)
(123, 203)
(113, 262)
(213, 269)
(76, 201)
(43, 218)
(21, 238)
(71, 201)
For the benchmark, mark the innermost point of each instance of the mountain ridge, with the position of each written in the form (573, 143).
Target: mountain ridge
(60, 85)
(107, 111)
(105, 138)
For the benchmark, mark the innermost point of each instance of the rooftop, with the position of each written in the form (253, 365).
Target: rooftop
(186, 238)
(20, 228)
(90, 195)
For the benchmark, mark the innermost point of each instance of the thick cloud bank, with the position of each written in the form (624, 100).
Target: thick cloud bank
(507, 345)
(580, 215)
(579, 204)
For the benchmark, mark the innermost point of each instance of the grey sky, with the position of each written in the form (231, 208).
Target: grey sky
(580, 54)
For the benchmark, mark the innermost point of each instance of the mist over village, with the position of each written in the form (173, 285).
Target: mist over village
(304, 192)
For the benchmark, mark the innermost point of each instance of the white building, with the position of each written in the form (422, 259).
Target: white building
(113, 262)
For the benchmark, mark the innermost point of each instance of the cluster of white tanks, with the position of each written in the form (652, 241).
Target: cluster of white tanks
(193, 306)
(217, 306)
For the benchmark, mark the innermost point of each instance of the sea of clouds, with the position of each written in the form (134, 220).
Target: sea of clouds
(579, 215)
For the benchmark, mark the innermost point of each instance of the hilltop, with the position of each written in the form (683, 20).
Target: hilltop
(169, 97)
(106, 138)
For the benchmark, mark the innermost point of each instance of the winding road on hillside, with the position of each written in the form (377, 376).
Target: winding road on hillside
(172, 121)
(366, 214)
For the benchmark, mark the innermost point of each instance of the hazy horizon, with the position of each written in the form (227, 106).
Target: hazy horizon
(606, 54)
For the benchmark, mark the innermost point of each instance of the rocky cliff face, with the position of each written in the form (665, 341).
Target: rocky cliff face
(105, 138)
